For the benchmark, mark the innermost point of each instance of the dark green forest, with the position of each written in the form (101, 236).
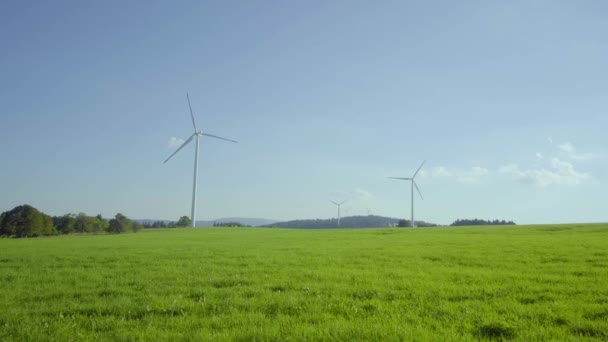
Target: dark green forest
(183, 221)
(369, 221)
(27, 221)
(478, 222)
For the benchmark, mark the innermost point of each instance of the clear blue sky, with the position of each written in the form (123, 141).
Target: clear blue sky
(506, 100)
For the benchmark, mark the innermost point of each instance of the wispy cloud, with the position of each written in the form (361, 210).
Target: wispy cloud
(360, 193)
(441, 172)
(356, 193)
(437, 172)
(539, 155)
(471, 175)
(175, 143)
(559, 173)
(509, 168)
(568, 150)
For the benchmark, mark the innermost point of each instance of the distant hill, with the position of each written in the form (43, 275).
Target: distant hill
(243, 220)
(369, 221)
(201, 223)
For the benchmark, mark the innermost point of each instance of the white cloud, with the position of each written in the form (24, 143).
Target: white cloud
(356, 193)
(567, 169)
(509, 168)
(550, 140)
(539, 155)
(441, 172)
(175, 143)
(569, 151)
(560, 173)
(471, 175)
(360, 193)
(566, 147)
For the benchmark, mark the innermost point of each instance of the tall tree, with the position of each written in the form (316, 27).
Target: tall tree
(184, 221)
(99, 224)
(121, 224)
(82, 225)
(64, 224)
(25, 221)
(404, 223)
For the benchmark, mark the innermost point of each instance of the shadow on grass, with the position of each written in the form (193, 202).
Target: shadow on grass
(496, 331)
(588, 330)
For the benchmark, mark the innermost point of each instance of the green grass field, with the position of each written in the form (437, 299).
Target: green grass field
(528, 283)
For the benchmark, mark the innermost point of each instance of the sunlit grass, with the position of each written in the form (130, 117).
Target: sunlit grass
(484, 283)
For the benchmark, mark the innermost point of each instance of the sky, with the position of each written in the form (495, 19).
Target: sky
(505, 100)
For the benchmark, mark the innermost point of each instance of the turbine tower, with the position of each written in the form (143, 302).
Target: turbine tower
(413, 184)
(196, 134)
(338, 204)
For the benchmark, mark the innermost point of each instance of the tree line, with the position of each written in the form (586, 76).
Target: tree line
(478, 222)
(345, 222)
(229, 224)
(408, 223)
(27, 221)
(183, 221)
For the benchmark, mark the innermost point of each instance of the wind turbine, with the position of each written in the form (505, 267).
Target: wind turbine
(196, 134)
(338, 204)
(413, 184)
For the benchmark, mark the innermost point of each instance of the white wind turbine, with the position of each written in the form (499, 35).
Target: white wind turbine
(196, 134)
(338, 204)
(413, 184)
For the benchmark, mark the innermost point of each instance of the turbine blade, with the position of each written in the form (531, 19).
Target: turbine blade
(191, 114)
(400, 178)
(416, 186)
(344, 201)
(216, 137)
(418, 169)
(184, 144)
(333, 202)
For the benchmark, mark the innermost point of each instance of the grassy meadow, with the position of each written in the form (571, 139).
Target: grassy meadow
(527, 283)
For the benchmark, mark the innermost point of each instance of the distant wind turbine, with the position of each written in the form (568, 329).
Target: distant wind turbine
(338, 204)
(413, 184)
(196, 134)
